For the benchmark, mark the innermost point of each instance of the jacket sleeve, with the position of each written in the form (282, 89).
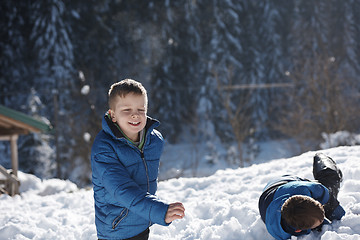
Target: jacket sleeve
(124, 191)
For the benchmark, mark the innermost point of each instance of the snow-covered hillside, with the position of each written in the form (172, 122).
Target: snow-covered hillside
(221, 206)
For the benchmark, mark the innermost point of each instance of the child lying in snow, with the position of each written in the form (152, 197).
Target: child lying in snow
(291, 205)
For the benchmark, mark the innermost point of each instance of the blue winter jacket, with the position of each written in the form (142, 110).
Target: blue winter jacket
(125, 181)
(270, 206)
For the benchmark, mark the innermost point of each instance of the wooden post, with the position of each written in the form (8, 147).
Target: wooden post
(14, 154)
(11, 182)
(15, 164)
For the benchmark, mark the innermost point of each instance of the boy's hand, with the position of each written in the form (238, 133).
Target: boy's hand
(175, 211)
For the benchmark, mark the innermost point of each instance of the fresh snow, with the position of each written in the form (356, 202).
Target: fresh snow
(221, 206)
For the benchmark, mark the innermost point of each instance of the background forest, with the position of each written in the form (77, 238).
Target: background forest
(237, 72)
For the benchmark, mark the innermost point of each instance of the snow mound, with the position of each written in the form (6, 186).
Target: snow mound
(221, 206)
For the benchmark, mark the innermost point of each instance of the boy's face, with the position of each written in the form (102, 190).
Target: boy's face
(130, 114)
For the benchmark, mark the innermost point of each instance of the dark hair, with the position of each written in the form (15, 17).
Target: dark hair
(301, 212)
(125, 87)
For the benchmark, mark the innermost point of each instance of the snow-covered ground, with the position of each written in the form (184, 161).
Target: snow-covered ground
(221, 206)
(204, 159)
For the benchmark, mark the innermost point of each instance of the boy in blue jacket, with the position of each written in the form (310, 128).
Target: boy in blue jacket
(291, 205)
(125, 160)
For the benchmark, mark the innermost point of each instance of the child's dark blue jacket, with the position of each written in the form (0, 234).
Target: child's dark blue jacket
(125, 181)
(271, 202)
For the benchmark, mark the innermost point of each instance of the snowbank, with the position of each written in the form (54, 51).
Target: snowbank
(222, 206)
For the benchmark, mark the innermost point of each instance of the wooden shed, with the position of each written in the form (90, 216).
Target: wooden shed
(13, 124)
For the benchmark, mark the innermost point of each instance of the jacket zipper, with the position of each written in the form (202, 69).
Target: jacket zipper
(117, 220)
(146, 170)
(147, 174)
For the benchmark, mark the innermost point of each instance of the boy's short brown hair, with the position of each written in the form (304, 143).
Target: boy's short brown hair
(125, 87)
(301, 212)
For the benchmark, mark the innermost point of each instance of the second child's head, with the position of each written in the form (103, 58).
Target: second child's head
(128, 107)
(302, 212)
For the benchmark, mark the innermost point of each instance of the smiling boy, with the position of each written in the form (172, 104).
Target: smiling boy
(125, 160)
(129, 113)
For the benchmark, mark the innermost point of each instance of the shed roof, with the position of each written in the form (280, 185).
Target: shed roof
(14, 122)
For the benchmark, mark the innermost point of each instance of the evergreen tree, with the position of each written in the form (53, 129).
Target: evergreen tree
(16, 80)
(241, 45)
(15, 72)
(53, 55)
(174, 80)
(283, 14)
(36, 154)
